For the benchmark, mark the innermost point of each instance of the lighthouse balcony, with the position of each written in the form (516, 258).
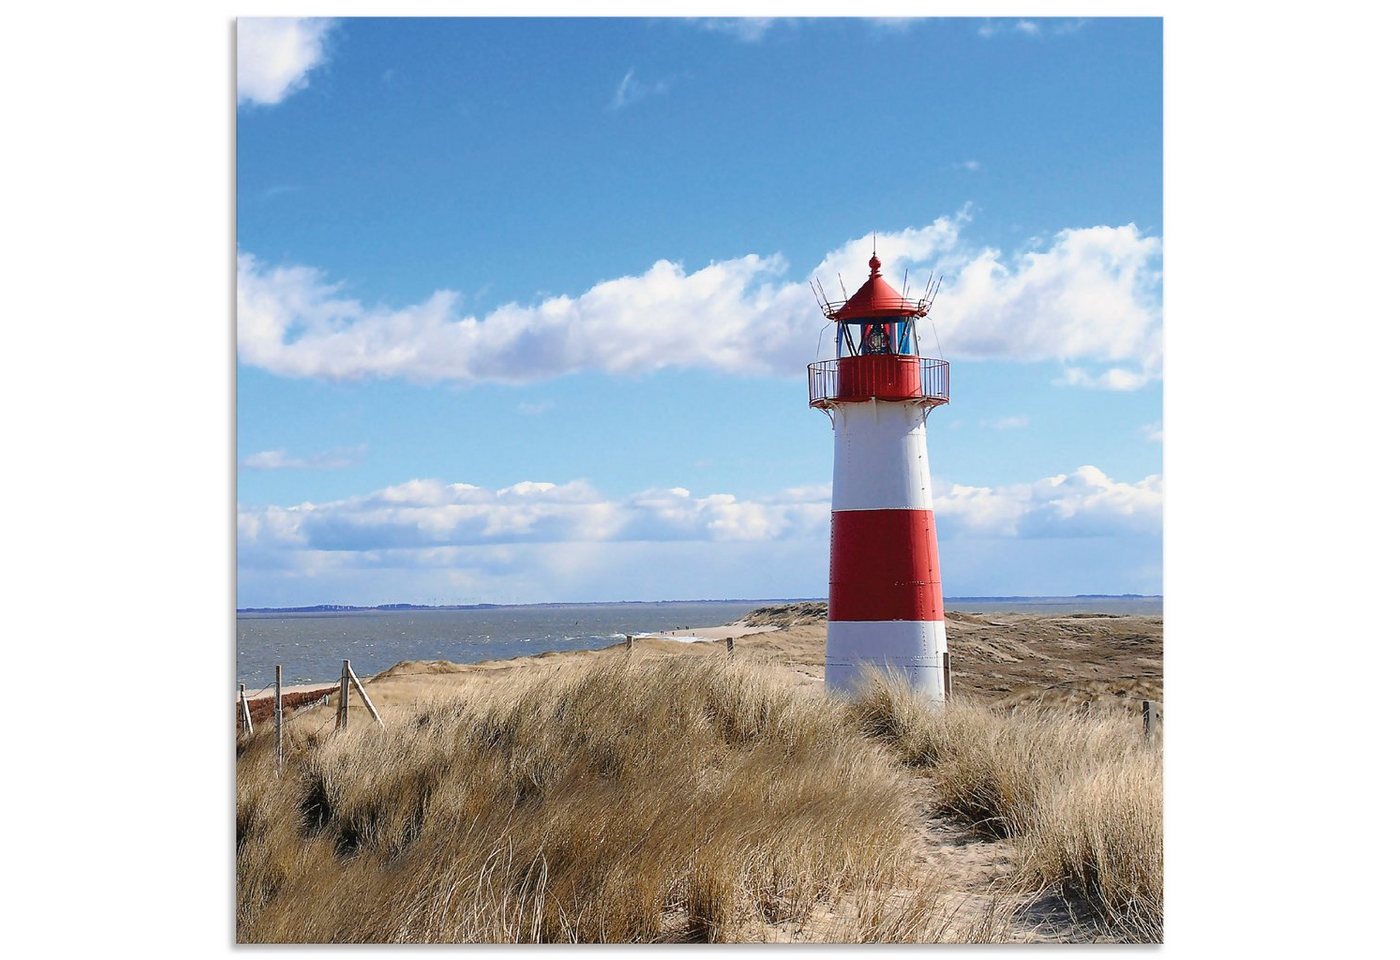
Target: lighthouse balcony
(893, 377)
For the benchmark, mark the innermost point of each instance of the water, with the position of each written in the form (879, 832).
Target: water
(1123, 606)
(310, 646)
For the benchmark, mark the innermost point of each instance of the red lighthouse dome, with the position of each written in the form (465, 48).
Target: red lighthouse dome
(876, 298)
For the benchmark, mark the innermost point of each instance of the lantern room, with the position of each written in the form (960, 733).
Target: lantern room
(877, 321)
(877, 350)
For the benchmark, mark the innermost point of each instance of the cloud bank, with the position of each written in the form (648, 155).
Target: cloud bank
(431, 514)
(281, 460)
(426, 514)
(1090, 295)
(537, 541)
(275, 55)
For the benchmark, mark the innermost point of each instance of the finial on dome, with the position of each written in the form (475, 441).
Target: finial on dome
(874, 265)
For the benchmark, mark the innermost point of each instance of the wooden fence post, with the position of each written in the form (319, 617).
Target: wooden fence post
(1151, 719)
(363, 696)
(729, 645)
(277, 717)
(342, 712)
(246, 718)
(947, 676)
(629, 643)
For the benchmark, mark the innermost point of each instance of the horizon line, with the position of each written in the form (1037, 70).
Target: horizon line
(351, 607)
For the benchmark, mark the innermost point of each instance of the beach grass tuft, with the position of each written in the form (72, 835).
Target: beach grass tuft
(651, 800)
(1079, 792)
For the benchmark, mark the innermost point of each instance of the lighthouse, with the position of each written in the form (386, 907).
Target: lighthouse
(886, 602)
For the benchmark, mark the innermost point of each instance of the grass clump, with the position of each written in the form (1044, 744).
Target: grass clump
(1079, 792)
(636, 801)
(1100, 836)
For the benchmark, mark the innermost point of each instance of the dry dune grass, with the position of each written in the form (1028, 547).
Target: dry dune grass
(1078, 791)
(635, 801)
(1100, 837)
(646, 798)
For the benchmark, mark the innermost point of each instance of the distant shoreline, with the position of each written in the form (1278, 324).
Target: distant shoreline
(404, 607)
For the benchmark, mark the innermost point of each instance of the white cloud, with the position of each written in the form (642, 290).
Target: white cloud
(1093, 293)
(755, 29)
(630, 90)
(279, 460)
(1084, 503)
(536, 541)
(1088, 295)
(917, 248)
(275, 55)
(426, 514)
(432, 514)
(894, 24)
(746, 29)
(1153, 431)
(972, 166)
(1030, 28)
(1114, 378)
(1008, 423)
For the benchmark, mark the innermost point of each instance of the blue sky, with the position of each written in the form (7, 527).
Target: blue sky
(523, 311)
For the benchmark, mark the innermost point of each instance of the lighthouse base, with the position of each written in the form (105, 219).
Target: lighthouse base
(913, 648)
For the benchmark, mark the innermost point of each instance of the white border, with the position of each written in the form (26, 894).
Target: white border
(1280, 214)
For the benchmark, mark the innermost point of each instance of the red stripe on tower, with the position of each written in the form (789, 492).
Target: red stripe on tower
(884, 566)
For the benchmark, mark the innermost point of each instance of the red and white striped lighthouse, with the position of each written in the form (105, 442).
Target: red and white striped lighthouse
(886, 604)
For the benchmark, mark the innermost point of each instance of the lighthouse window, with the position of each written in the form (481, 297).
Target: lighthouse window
(863, 338)
(845, 346)
(876, 339)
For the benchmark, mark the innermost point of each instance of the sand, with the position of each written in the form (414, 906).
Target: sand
(730, 631)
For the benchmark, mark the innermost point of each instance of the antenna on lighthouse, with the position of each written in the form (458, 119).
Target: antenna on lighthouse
(821, 334)
(843, 286)
(931, 324)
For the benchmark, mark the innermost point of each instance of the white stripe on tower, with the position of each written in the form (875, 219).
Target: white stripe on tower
(881, 457)
(913, 647)
(886, 595)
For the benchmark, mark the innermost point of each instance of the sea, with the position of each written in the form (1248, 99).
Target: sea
(310, 645)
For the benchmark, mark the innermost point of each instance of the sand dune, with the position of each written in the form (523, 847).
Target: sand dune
(1003, 658)
(1007, 660)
